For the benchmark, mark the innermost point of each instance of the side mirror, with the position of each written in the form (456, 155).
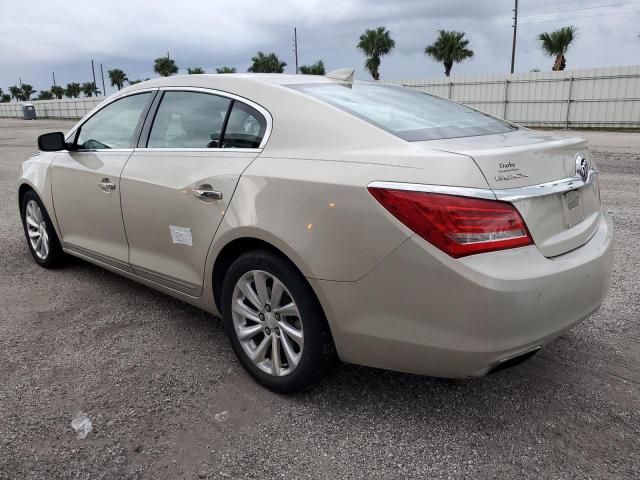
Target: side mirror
(52, 142)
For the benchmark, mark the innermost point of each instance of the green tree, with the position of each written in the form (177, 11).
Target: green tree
(45, 95)
(165, 66)
(89, 89)
(313, 69)
(557, 43)
(194, 70)
(73, 90)
(226, 70)
(117, 78)
(5, 98)
(269, 63)
(57, 91)
(375, 43)
(450, 47)
(15, 92)
(26, 91)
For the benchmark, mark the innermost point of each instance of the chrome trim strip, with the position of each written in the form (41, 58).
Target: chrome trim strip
(167, 280)
(505, 195)
(444, 189)
(192, 150)
(549, 188)
(98, 257)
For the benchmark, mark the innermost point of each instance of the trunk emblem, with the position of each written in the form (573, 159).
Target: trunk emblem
(582, 168)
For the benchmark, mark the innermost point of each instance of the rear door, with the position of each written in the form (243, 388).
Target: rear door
(176, 186)
(540, 174)
(85, 180)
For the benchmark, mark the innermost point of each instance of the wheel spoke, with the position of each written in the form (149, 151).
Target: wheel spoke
(257, 354)
(38, 243)
(249, 332)
(295, 334)
(45, 248)
(292, 357)
(276, 365)
(34, 233)
(290, 309)
(261, 287)
(244, 311)
(276, 293)
(30, 221)
(250, 294)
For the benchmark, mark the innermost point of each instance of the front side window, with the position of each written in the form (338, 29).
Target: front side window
(408, 114)
(115, 125)
(189, 120)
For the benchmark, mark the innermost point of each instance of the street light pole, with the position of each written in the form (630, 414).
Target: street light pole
(295, 46)
(515, 29)
(104, 89)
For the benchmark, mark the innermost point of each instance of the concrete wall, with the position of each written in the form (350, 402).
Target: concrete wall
(602, 97)
(599, 97)
(64, 108)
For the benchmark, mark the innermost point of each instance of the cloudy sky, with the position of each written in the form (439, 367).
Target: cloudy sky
(39, 37)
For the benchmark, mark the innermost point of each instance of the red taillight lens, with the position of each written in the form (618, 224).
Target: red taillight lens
(458, 226)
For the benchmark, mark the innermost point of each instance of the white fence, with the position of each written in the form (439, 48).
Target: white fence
(64, 108)
(603, 97)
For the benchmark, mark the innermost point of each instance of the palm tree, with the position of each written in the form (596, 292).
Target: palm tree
(45, 95)
(557, 43)
(117, 78)
(314, 69)
(5, 98)
(73, 90)
(269, 63)
(89, 89)
(57, 91)
(165, 66)
(26, 91)
(194, 70)
(374, 44)
(226, 70)
(450, 47)
(15, 92)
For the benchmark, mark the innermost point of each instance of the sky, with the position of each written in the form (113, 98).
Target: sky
(44, 36)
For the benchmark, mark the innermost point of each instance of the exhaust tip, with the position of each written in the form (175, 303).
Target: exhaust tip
(513, 360)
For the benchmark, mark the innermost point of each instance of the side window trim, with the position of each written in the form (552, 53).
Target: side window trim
(226, 122)
(72, 136)
(146, 129)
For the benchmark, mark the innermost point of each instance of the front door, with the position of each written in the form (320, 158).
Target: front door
(177, 189)
(86, 181)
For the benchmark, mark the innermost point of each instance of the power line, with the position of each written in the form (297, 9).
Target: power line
(580, 18)
(580, 9)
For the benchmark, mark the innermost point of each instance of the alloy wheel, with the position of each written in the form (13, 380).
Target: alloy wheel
(37, 230)
(267, 323)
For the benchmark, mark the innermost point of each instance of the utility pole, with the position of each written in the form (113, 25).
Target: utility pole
(104, 89)
(93, 70)
(54, 78)
(295, 46)
(515, 29)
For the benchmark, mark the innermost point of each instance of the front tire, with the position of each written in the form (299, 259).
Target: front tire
(275, 324)
(39, 232)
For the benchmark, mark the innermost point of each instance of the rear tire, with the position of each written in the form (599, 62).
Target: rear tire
(41, 237)
(275, 324)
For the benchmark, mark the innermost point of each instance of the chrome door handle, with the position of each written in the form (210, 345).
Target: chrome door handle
(201, 193)
(106, 185)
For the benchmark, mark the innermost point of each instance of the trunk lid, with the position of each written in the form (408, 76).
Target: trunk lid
(567, 215)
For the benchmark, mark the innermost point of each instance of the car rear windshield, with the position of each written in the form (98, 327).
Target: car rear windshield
(409, 114)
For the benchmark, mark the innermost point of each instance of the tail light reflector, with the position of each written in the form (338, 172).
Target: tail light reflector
(459, 226)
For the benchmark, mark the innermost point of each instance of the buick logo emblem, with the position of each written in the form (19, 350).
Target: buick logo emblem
(582, 168)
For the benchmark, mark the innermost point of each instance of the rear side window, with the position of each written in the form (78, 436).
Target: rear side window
(245, 127)
(189, 120)
(113, 126)
(406, 113)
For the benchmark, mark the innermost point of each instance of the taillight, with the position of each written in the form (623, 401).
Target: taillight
(458, 226)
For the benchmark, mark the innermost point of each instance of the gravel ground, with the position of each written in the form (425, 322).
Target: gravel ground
(168, 400)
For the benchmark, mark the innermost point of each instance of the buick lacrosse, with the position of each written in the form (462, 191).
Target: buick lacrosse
(324, 218)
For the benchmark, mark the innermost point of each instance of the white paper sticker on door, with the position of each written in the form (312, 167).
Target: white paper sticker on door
(181, 235)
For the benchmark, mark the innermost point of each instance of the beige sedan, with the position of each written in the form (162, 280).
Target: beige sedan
(324, 218)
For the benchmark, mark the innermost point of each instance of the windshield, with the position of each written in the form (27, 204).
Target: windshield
(409, 114)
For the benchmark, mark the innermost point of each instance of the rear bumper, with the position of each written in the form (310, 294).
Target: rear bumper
(421, 311)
